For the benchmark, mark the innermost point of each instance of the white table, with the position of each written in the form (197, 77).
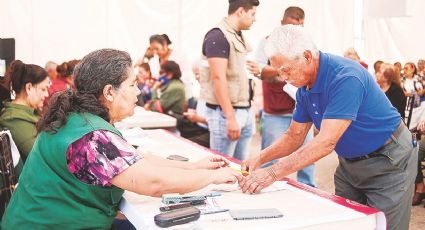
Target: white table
(303, 207)
(147, 120)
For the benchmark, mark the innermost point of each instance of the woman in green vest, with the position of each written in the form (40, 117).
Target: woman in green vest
(30, 84)
(80, 165)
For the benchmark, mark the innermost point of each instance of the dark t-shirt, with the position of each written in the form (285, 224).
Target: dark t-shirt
(215, 44)
(396, 96)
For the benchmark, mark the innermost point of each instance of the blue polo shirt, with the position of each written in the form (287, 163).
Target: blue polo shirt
(345, 90)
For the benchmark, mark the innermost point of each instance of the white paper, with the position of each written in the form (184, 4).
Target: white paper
(276, 186)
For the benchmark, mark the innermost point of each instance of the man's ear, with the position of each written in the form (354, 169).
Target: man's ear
(240, 11)
(308, 56)
(108, 93)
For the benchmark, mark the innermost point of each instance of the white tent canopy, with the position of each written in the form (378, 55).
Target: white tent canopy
(61, 30)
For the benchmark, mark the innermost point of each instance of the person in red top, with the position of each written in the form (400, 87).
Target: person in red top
(351, 53)
(278, 105)
(64, 79)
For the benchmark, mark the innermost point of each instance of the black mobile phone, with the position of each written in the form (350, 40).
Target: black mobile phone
(177, 158)
(175, 217)
(174, 207)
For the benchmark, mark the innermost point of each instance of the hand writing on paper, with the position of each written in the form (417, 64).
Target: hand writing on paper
(212, 162)
(256, 181)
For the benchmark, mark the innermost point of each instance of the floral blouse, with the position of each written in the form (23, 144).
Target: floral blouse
(99, 156)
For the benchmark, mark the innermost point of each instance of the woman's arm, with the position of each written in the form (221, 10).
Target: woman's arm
(210, 162)
(146, 178)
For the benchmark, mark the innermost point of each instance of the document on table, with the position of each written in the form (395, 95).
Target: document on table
(276, 186)
(137, 137)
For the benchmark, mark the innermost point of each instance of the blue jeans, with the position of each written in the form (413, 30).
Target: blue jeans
(273, 128)
(218, 132)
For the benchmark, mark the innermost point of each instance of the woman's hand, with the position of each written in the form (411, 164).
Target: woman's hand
(211, 162)
(225, 175)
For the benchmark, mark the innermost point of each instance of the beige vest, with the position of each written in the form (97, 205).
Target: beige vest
(236, 73)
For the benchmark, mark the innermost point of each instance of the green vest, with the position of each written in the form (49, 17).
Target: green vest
(49, 196)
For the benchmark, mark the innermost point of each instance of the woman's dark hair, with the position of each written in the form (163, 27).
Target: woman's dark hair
(161, 39)
(413, 67)
(173, 68)
(146, 67)
(390, 73)
(20, 74)
(67, 68)
(95, 71)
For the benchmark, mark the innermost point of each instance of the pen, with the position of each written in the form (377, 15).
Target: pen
(241, 171)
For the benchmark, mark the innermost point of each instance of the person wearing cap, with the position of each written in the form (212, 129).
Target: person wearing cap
(377, 154)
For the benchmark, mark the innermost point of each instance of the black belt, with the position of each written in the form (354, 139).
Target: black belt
(376, 153)
(212, 106)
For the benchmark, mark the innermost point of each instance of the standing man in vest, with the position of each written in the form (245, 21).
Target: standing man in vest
(224, 81)
(278, 104)
(377, 155)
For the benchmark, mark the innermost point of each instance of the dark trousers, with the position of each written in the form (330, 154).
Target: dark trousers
(420, 176)
(384, 182)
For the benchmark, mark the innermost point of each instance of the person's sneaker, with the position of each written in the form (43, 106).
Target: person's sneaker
(417, 198)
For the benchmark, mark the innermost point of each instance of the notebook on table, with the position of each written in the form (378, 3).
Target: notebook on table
(247, 214)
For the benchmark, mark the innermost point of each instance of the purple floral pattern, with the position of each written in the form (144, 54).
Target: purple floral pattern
(99, 156)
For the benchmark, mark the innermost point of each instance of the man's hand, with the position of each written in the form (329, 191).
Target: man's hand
(253, 68)
(212, 162)
(257, 181)
(421, 126)
(191, 115)
(252, 163)
(233, 129)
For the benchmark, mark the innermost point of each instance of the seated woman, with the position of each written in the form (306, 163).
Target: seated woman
(389, 81)
(30, 83)
(144, 83)
(170, 98)
(81, 164)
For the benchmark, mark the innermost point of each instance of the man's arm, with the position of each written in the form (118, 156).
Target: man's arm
(218, 68)
(320, 146)
(290, 141)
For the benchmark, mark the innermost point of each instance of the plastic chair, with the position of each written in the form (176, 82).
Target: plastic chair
(8, 178)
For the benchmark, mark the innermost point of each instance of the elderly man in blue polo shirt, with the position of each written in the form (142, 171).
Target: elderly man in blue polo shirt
(377, 156)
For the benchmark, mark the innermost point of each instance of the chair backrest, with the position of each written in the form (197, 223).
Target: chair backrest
(409, 110)
(8, 178)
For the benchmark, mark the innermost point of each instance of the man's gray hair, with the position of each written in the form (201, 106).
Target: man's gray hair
(290, 41)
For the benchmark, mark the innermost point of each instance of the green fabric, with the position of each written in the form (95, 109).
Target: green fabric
(49, 196)
(20, 120)
(172, 97)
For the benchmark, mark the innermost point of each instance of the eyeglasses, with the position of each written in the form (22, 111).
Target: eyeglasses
(283, 69)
